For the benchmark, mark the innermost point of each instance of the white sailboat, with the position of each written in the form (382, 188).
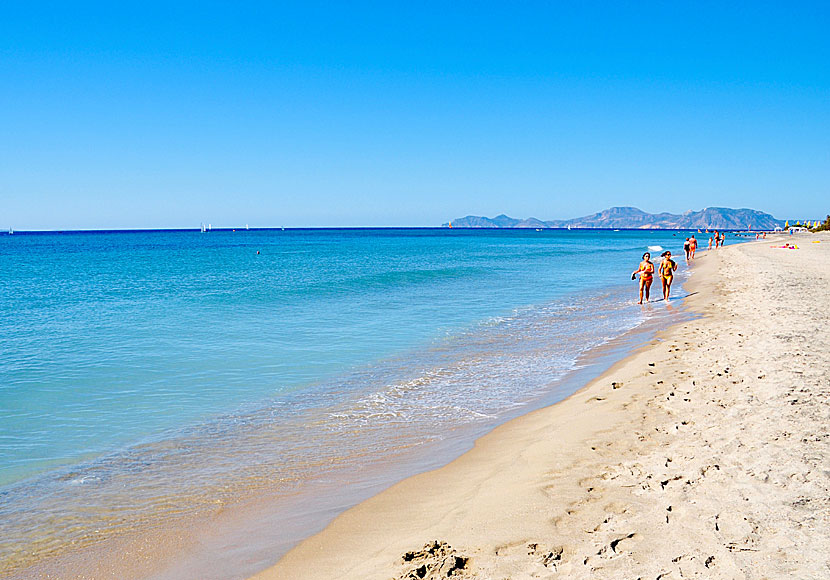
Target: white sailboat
(11, 231)
(203, 228)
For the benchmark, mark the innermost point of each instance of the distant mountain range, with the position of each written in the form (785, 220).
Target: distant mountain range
(720, 218)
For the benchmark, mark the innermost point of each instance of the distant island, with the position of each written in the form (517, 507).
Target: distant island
(721, 218)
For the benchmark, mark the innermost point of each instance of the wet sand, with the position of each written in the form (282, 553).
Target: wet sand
(704, 454)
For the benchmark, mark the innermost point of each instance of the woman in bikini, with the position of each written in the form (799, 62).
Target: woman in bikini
(666, 273)
(646, 272)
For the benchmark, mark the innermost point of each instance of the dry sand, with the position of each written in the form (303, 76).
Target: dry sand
(705, 454)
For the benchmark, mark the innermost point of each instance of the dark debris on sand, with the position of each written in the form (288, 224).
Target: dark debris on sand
(435, 560)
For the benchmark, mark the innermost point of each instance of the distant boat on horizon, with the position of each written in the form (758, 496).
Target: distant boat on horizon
(203, 228)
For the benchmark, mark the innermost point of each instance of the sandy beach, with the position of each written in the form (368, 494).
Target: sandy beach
(704, 454)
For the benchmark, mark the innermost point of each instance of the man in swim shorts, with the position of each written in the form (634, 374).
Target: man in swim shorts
(666, 273)
(646, 272)
(692, 246)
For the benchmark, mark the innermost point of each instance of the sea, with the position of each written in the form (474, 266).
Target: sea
(215, 397)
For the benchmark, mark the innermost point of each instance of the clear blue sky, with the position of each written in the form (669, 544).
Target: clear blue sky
(120, 115)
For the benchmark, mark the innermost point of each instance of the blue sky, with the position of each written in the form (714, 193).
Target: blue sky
(118, 115)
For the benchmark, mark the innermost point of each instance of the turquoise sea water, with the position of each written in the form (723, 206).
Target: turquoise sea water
(142, 372)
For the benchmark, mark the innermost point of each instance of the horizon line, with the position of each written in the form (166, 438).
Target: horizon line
(307, 228)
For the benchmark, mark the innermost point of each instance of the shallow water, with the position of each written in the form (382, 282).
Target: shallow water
(147, 377)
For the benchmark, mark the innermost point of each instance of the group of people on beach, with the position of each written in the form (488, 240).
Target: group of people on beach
(690, 247)
(717, 238)
(646, 271)
(668, 266)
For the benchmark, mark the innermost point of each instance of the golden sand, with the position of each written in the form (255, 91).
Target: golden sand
(705, 454)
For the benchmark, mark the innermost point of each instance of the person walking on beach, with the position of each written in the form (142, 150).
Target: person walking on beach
(692, 246)
(710, 243)
(687, 245)
(646, 272)
(666, 273)
(722, 239)
(717, 239)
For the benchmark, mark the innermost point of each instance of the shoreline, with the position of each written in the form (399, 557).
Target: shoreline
(261, 513)
(170, 553)
(291, 565)
(575, 488)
